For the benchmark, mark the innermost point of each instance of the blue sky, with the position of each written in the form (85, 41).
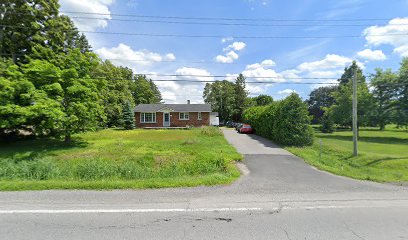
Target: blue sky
(258, 59)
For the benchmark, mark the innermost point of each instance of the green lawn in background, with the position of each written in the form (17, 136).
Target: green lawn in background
(383, 155)
(111, 159)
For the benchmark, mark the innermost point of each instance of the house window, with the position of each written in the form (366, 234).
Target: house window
(199, 116)
(184, 116)
(147, 117)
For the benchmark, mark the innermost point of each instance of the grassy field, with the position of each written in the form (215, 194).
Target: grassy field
(383, 155)
(112, 159)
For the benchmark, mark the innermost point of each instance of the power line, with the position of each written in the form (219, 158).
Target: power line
(228, 19)
(221, 23)
(217, 80)
(228, 76)
(213, 36)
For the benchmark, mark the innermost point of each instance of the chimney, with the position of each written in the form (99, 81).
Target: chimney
(188, 101)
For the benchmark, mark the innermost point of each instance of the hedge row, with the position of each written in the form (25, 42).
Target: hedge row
(285, 122)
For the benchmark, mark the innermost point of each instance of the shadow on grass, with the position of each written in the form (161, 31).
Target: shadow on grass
(383, 160)
(36, 148)
(384, 140)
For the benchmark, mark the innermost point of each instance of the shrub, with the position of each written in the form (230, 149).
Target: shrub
(285, 122)
(211, 131)
(128, 116)
(327, 122)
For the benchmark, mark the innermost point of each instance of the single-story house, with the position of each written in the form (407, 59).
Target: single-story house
(173, 115)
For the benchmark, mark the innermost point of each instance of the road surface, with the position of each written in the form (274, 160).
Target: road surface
(278, 197)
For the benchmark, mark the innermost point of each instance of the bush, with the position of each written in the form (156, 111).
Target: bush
(327, 123)
(211, 131)
(285, 122)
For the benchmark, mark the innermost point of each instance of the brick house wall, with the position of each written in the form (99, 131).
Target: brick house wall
(175, 121)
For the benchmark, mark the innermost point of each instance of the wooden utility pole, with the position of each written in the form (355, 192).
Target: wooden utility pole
(355, 125)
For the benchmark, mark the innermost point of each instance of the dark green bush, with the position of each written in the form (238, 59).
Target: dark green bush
(327, 123)
(285, 122)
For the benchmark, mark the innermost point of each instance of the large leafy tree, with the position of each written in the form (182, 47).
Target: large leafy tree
(220, 95)
(383, 83)
(319, 99)
(402, 94)
(262, 100)
(348, 74)
(116, 91)
(341, 110)
(70, 86)
(145, 91)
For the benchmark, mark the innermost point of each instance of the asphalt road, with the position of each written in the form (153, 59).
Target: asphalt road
(278, 197)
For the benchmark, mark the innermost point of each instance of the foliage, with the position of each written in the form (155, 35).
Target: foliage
(342, 109)
(327, 122)
(116, 91)
(114, 159)
(32, 29)
(319, 99)
(240, 95)
(347, 76)
(401, 94)
(128, 116)
(145, 91)
(285, 122)
(382, 154)
(51, 83)
(262, 100)
(211, 131)
(220, 95)
(384, 96)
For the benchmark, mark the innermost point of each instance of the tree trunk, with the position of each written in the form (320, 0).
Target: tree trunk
(67, 138)
(382, 126)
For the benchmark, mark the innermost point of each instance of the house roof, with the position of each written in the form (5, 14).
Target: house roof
(173, 107)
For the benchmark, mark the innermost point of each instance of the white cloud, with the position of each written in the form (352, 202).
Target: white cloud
(376, 55)
(180, 92)
(331, 61)
(230, 52)
(125, 55)
(394, 34)
(286, 92)
(237, 46)
(88, 6)
(228, 58)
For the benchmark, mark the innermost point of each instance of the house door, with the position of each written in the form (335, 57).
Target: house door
(166, 119)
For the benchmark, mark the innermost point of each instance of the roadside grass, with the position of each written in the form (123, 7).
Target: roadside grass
(113, 158)
(383, 155)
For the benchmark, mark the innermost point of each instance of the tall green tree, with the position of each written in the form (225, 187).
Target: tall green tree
(128, 116)
(24, 24)
(70, 85)
(116, 91)
(239, 98)
(402, 94)
(262, 100)
(383, 84)
(145, 91)
(220, 95)
(319, 99)
(348, 74)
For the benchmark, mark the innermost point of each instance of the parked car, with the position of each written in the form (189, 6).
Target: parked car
(230, 124)
(246, 129)
(238, 126)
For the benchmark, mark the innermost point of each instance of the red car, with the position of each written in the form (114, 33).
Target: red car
(246, 129)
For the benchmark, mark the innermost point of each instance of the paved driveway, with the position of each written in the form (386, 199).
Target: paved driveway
(273, 169)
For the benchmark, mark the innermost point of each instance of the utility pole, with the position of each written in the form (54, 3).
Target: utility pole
(355, 128)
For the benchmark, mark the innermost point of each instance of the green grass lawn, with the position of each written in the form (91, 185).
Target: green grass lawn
(113, 159)
(383, 155)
